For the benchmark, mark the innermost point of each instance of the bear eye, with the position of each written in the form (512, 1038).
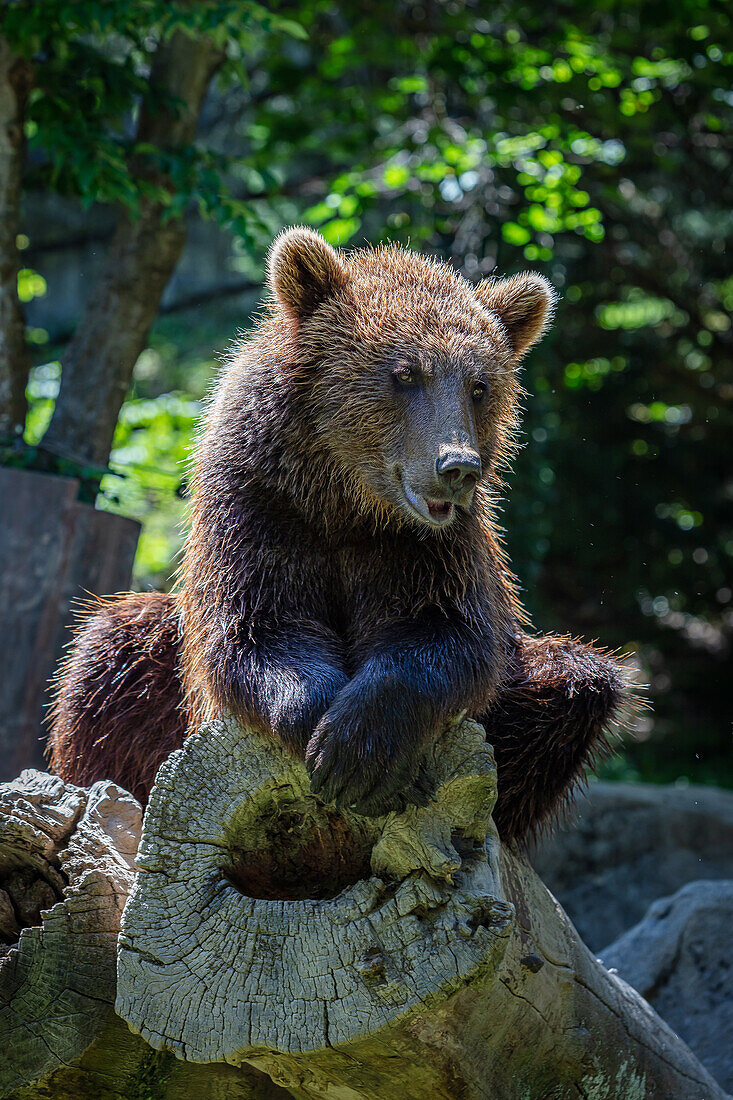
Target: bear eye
(478, 391)
(404, 375)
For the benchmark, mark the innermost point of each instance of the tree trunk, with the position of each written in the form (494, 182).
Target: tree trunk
(98, 364)
(15, 81)
(346, 957)
(274, 947)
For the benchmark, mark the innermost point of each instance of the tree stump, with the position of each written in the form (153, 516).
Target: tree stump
(294, 926)
(54, 550)
(66, 869)
(358, 959)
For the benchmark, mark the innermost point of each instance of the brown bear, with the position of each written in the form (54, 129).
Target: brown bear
(344, 585)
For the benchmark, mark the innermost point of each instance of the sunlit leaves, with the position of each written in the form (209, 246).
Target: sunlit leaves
(639, 310)
(515, 234)
(30, 285)
(91, 63)
(592, 139)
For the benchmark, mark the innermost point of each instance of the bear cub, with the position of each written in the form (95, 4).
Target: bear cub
(344, 587)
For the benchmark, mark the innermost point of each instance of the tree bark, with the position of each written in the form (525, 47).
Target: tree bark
(347, 957)
(274, 947)
(98, 364)
(66, 869)
(15, 82)
(120, 1066)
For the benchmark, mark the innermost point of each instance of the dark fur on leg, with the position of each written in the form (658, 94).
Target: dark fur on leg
(549, 722)
(117, 712)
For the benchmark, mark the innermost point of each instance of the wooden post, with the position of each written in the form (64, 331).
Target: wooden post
(53, 550)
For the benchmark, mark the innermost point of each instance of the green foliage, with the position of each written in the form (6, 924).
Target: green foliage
(30, 285)
(148, 461)
(591, 140)
(156, 432)
(91, 65)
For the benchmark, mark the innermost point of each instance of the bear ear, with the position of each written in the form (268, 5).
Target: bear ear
(524, 303)
(303, 270)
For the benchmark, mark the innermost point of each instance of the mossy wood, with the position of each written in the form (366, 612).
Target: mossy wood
(354, 958)
(273, 947)
(319, 927)
(66, 869)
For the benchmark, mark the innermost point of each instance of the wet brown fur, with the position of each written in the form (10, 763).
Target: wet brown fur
(117, 713)
(121, 684)
(311, 598)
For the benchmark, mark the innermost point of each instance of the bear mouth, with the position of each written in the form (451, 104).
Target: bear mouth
(440, 510)
(437, 513)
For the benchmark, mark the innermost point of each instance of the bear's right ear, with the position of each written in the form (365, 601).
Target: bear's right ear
(303, 270)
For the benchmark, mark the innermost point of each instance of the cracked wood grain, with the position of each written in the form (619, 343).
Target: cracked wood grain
(324, 956)
(61, 1039)
(547, 1024)
(263, 920)
(358, 959)
(66, 867)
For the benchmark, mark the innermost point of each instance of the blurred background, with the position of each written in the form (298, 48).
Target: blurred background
(152, 151)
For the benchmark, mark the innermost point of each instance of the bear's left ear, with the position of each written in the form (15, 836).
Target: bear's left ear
(303, 270)
(524, 303)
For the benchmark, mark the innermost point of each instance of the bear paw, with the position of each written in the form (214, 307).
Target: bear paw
(361, 774)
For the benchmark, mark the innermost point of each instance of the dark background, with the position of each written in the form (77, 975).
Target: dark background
(588, 141)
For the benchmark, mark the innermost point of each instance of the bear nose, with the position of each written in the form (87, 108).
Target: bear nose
(458, 468)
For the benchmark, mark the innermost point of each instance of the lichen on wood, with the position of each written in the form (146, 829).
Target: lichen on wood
(221, 955)
(275, 947)
(66, 869)
(354, 958)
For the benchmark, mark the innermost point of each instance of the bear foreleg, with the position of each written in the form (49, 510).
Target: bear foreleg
(551, 720)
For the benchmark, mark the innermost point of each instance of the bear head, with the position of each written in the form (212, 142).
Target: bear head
(409, 371)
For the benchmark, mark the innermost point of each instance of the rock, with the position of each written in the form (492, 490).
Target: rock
(626, 844)
(680, 958)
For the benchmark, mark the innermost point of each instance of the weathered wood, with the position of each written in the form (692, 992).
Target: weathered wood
(53, 550)
(66, 868)
(550, 1024)
(354, 960)
(322, 955)
(120, 1066)
(293, 926)
(70, 851)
